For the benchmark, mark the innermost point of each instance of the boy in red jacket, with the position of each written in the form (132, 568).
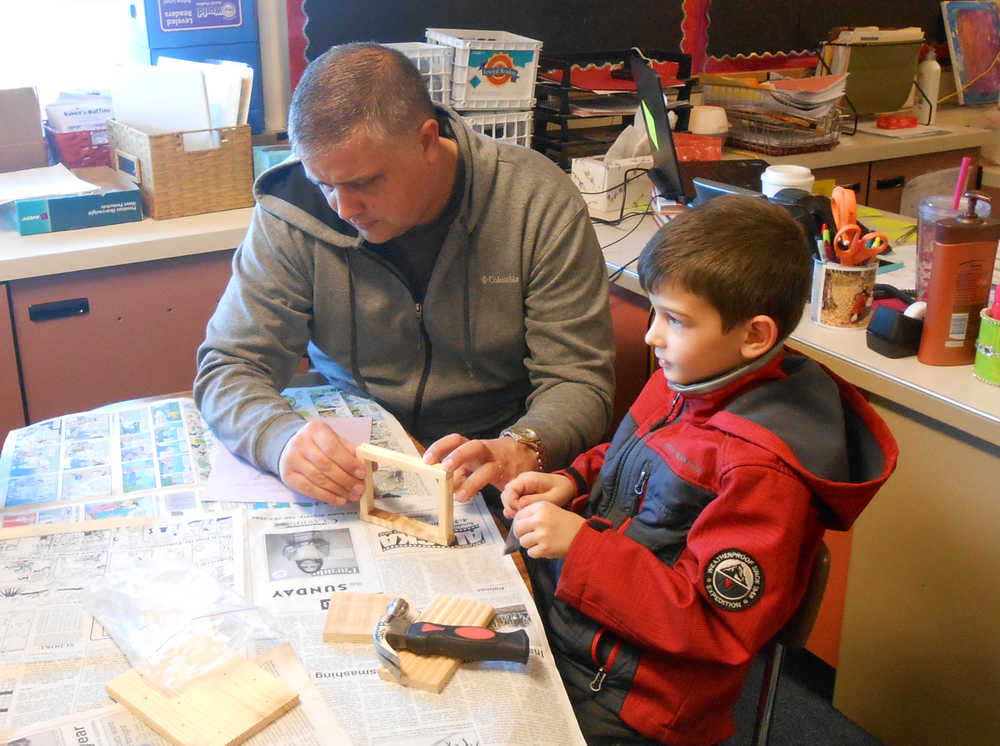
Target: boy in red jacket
(668, 557)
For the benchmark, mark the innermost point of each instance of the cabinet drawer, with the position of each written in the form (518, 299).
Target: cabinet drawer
(98, 336)
(889, 177)
(852, 175)
(11, 409)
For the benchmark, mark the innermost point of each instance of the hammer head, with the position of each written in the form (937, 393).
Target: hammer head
(390, 629)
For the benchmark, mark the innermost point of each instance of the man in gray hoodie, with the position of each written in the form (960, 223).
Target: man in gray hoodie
(454, 279)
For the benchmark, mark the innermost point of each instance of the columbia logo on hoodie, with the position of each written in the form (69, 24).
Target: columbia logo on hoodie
(500, 278)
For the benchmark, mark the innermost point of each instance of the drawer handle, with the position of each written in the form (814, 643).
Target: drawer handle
(58, 309)
(896, 182)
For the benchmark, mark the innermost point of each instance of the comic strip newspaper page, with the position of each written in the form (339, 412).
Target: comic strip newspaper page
(142, 461)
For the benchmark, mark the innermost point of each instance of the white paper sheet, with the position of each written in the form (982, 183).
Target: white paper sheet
(35, 183)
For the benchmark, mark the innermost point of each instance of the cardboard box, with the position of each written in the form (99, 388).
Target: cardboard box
(602, 182)
(79, 149)
(119, 201)
(21, 143)
(176, 182)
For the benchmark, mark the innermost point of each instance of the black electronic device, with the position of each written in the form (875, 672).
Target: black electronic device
(665, 173)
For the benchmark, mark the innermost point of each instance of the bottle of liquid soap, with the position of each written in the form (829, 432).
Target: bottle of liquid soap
(965, 248)
(929, 80)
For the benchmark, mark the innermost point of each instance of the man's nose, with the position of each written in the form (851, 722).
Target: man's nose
(345, 204)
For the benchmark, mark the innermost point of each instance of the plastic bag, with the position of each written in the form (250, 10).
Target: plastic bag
(175, 622)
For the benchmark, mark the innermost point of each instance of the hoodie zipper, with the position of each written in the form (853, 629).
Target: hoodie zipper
(672, 415)
(597, 683)
(419, 400)
(639, 490)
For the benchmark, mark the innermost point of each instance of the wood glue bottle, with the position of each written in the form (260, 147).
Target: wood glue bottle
(965, 248)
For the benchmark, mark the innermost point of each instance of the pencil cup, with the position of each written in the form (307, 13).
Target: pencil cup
(842, 295)
(987, 364)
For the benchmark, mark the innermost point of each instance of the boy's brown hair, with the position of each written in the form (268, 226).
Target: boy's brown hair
(742, 254)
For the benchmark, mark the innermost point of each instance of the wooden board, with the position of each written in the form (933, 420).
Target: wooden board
(432, 672)
(223, 708)
(443, 532)
(351, 617)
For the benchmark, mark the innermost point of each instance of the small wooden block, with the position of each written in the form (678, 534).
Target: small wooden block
(223, 708)
(432, 672)
(351, 617)
(444, 531)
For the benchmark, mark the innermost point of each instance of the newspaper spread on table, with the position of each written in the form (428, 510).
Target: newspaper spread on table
(55, 659)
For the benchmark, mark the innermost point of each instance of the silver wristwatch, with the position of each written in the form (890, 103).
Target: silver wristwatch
(530, 438)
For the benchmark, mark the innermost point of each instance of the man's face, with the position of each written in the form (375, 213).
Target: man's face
(687, 337)
(377, 184)
(309, 565)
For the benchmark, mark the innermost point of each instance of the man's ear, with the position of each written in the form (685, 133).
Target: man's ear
(760, 334)
(429, 137)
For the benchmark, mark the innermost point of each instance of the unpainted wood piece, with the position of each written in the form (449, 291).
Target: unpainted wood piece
(432, 672)
(351, 617)
(223, 708)
(444, 531)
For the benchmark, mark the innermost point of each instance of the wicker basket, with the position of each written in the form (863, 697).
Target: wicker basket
(175, 182)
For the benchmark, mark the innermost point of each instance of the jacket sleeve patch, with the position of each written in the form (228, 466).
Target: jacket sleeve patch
(734, 580)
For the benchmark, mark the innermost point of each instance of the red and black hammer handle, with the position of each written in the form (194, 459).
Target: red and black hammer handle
(467, 643)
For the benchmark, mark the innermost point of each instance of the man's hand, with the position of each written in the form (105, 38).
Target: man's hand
(546, 530)
(532, 487)
(476, 463)
(319, 464)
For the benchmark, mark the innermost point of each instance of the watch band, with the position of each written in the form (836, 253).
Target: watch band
(530, 438)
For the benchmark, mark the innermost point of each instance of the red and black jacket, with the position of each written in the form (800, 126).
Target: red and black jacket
(704, 514)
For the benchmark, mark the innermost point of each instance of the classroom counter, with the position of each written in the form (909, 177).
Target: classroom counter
(967, 125)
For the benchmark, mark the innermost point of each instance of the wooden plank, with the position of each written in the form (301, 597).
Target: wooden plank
(351, 617)
(444, 531)
(432, 672)
(223, 708)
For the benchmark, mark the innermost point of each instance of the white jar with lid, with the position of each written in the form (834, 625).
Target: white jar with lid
(776, 178)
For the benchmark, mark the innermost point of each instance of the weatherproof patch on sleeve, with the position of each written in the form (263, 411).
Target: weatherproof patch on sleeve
(734, 580)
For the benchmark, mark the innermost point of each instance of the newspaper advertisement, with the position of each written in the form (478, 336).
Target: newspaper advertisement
(311, 723)
(54, 657)
(484, 703)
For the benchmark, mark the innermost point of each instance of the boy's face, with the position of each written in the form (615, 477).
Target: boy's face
(687, 337)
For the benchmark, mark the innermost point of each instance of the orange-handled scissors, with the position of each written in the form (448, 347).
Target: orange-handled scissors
(844, 206)
(853, 249)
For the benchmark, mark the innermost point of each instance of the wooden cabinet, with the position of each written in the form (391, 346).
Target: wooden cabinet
(880, 183)
(852, 175)
(102, 335)
(11, 401)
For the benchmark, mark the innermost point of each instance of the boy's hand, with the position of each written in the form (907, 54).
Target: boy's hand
(532, 487)
(546, 531)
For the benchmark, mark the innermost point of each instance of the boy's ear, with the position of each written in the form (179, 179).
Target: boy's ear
(761, 332)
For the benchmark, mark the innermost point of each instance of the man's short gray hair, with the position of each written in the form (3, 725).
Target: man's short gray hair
(352, 88)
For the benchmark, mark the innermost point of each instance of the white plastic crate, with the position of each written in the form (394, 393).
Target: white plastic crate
(513, 127)
(434, 63)
(492, 69)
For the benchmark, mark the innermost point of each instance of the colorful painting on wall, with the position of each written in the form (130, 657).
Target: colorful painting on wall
(973, 30)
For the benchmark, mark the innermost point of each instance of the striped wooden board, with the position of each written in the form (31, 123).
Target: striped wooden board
(223, 708)
(432, 672)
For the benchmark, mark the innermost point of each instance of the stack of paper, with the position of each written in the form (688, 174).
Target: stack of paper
(183, 96)
(812, 97)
